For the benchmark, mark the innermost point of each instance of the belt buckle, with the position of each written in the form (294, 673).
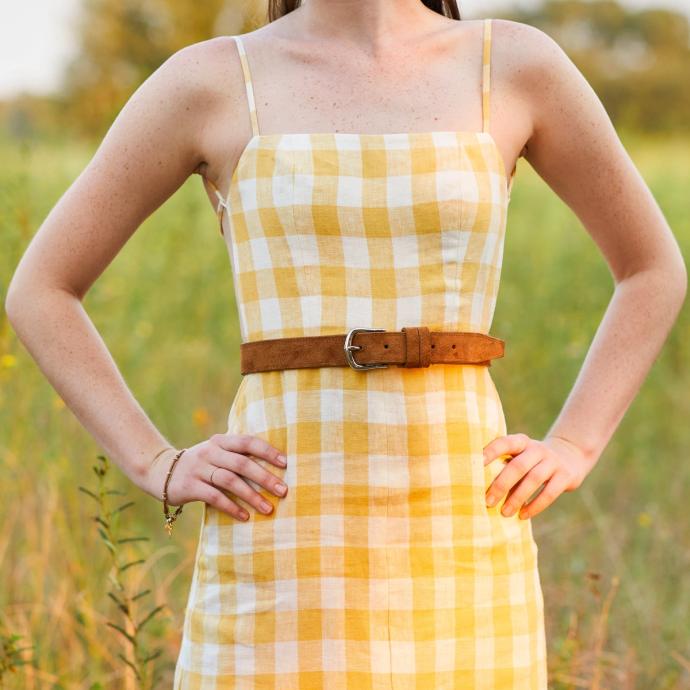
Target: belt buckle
(349, 348)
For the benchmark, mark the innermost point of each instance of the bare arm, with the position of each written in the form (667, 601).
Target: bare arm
(151, 148)
(576, 150)
(146, 155)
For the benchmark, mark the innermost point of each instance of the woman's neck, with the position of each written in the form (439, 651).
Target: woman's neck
(368, 23)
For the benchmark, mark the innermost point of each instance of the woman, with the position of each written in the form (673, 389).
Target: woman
(364, 147)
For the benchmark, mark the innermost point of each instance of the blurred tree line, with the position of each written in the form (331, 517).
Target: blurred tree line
(638, 61)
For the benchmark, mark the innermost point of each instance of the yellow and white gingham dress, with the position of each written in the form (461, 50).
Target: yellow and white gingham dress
(382, 568)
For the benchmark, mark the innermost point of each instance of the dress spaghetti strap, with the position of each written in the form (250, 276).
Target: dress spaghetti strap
(486, 90)
(486, 76)
(222, 203)
(248, 85)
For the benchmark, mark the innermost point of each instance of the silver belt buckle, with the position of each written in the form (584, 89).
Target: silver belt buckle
(350, 348)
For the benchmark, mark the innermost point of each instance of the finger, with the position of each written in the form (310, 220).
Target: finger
(510, 444)
(246, 444)
(533, 480)
(220, 501)
(249, 468)
(551, 491)
(230, 481)
(512, 473)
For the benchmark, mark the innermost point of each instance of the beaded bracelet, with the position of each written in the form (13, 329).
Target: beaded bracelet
(171, 517)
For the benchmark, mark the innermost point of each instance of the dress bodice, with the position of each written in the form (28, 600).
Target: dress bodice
(328, 231)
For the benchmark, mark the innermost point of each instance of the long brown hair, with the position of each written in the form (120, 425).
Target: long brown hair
(278, 8)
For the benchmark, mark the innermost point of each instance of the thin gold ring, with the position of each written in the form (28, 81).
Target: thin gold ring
(212, 473)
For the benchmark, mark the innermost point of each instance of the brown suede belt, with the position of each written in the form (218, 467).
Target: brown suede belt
(413, 346)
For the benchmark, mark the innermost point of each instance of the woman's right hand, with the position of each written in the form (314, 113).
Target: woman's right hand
(226, 456)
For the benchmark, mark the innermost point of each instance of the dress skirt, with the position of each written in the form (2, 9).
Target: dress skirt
(382, 567)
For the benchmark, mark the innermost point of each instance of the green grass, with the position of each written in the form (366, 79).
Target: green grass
(166, 310)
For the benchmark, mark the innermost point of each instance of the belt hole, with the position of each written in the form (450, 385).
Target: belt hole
(433, 346)
(386, 345)
(453, 346)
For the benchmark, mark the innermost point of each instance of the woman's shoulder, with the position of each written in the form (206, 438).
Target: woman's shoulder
(204, 79)
(524, 52)
(205, 67)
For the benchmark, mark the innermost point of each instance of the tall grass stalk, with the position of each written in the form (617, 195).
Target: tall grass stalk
(137, 656)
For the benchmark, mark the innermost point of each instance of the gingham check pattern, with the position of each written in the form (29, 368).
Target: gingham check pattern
(382, 568)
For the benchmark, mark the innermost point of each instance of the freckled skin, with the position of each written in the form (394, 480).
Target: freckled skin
(375, 66)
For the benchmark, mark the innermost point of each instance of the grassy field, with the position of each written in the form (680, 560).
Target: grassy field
(614, 555)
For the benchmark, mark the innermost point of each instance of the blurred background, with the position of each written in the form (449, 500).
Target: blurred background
(614, 555)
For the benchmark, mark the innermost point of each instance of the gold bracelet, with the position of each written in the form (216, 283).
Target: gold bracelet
(171, 517)
(161, 451)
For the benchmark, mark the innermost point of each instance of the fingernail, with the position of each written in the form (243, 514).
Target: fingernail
(266, 507)
(490, 500)
(281, 488)
(508, 510)
(282, 460)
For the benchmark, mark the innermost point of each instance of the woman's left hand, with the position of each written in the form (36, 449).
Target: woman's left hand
(555, 462)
